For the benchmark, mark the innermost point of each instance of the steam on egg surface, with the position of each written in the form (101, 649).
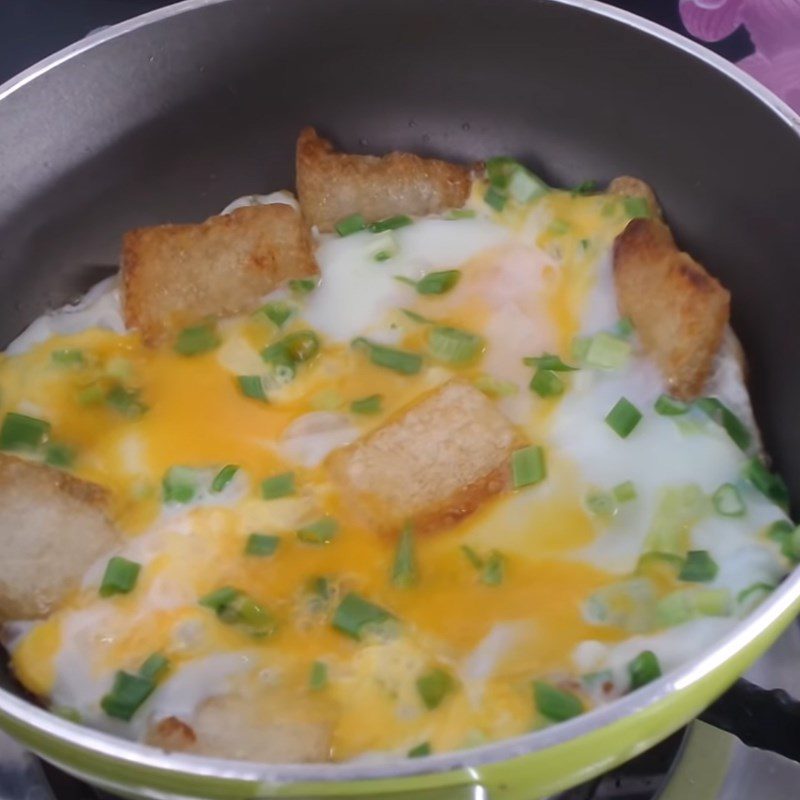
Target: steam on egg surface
(540, 584)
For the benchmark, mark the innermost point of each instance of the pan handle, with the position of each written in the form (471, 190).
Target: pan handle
(768, 719)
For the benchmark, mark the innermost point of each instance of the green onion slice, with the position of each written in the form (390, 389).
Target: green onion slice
(303, 285)
(623, 418)
(624, 492)
(318, 676)
(722, 415)
(322, 531)
(454, 346)
(180, 484)
(528, 466)
(607, 352)
(154, 667)
(495, 199)
(261, 545)
(494, 569)
(699, 567)
(557, 705)
(21, 432)
(420, 750)
(434, 282)
(401, 361)
(224, 477)
(252, 386)
(644, 669)
(282, 485)
(687, 604)
(755, 590)
(404, 568)
(125, 401)
(495, 387)
(768, 483)
(367, 405)
(728, 501)
(236, 608)
(127, 694)
(355, 616)
(412, 315)
(68, 357)
(601, 504)
(472, 556)
(546, 383)
(350, 225)
(120, 576)
(586, 187)
(391, 223)
(549, 362)
(434, 686)
(196, 340)
(636, 207)
(57, 454)
(277, 312)
(670, 407)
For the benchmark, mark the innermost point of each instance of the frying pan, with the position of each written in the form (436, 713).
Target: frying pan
(167, 117)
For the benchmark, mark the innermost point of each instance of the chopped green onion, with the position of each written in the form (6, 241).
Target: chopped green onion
(601, 504)
(404, 568)
(282, 485)
(412, 315)
(556, 704)
(546, 383)
(524, 186)
(495, 387)
(400, 361)
(587, 187)
(119, 368)
(528, 466)
(120, 576)
(722, 415)
(21, 432)
(67, 713)
(500, 170)
(629, 604)
(420, 750)
(460, 213)
(367, 405)
(127, 694)
(623, 418)
(495, 199)
(699, 567)
(472, 556)
(579, 348)
(655, 562)
(607, 352)
(434, 282)
(154, 667)
(636, 207)
(125, 401)
(252, 386)
(754, 590)
(780, 530)
(196, 340)
(382, 246)
(238, 609)
(391, 223)
(303, 285)
(180, 484)
(728, 501)
(687, 604)
(678, 510)
(768, 483)
(624, 492)
(383, 255)
(224, 477)
(434, 686)
(454, 346)
(91, 395)
(321, 586)
(349, 225)
(670, 407)
(301, 345)
(261, 544)
(354, 616)
(322, 531)
(277, 312)
(318, 676)
(644, 669)
(57, 454)
(549, 362)
(791, 545)
(623, 328)
(68, 357)
(494, 569)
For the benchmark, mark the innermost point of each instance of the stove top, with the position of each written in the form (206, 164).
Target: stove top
(697, 763)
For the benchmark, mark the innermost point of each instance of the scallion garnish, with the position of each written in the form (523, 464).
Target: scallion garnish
(197, 339)
(434, 686)
(454, 346)
(367, 405)
(404, 568)
(624, 492)
(524, 186)
(546, 383)
(670, 407)
(460, 213)
(180, 484)
(68, 357)
(120, 576)
(154, 667)
(234, 607)
(636, 207)
(495, 199)
(296, 347)
(493, 569)
(420, 750)
(754, 589)
(57, 454)
(318, 676)
(528, 466)
(623, 418)
(699, 567)
(355, 616)
(434, 282)
(586, 187)
(722, 415)
(391, 223)
(282, 485)
(21, 432)
(555, 704)
(601, 504)
(261, 544)
(349, 225)
(303, 285)
(472, 556)
(728, 501)
(607, 352)
(127, 694)
(644, 669)
(412, 315)
(321, 531)
(125, 401)
(277, 312)
(495, 387)
(660, 563)
(549, 362)
(252, 386)
(401, 361)
(224, 477)
(768, 483)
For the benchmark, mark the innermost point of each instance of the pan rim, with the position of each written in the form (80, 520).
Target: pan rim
(735, 641)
